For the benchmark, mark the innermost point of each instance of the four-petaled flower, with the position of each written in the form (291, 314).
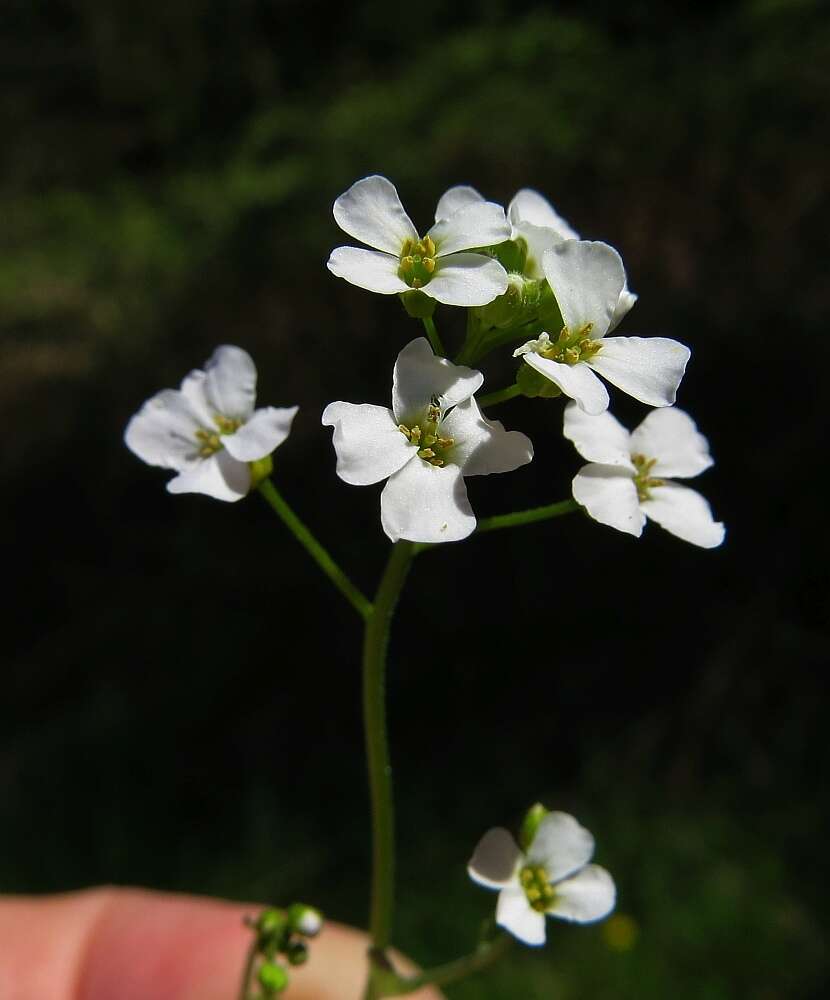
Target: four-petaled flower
(553, 877)
(624, 483)
(208, 430)
(535, 223)
(431, 438)
(401, 260)
(588, 280)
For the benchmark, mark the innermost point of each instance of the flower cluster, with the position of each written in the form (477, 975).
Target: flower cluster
(554, 301)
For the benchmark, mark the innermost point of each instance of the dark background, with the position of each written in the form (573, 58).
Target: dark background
(181, 687)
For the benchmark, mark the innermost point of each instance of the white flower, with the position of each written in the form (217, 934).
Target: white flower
(587, 280)
(208, 431)
(400, 260)
(431, 438)
(535, 222)
(624, 484)
(552, 878)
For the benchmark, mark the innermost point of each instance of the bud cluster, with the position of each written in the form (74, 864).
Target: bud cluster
(280, 941)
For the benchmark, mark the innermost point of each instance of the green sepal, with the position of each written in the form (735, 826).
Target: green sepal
(530, 824)
(533, 384)
(260, 469)
(272, 978)
(418, 305)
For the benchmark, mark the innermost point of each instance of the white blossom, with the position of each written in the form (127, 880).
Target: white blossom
(433, 436)
(400, 260)
(535, 223)
(587, 280)
(625, 481)
(553, 877)
(208, 430)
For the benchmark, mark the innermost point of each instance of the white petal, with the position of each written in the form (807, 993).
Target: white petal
(376, 272)
(590, 895)
(466, 279)
(622, 308)
(586, 280)
(420, 375)
(479, 224)
(265, 431)
(671, 436)
(193, 390)
(494, 860)
(368, 443)
(371, 212)
(576, 381)
(456, 198)
(609, 495)
(561, 846)
(221, 476)
(425, 503)
(163, 432)
(684, 513)
(647, 368)
(529, 206)
(230, 382)
(538, 240)
(515, 914)
(599, 438)
(483, 446)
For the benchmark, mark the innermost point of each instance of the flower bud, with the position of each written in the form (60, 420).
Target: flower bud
(305, 920)
(272, 978)
(297, 953)
(530, 824)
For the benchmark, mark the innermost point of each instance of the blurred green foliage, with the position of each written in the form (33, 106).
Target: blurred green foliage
(166, 182)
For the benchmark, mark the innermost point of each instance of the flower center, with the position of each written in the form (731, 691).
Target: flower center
(209, 440)
(417, 262)
(570, 347)
(427, 435)
(536, 884)
(643, 481)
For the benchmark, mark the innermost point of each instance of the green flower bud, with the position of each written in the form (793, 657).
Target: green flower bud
(418, 305)
(530, 824)
(272, 978)
(271, 922)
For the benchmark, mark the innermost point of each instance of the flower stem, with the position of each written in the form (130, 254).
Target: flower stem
(434, 339)
(275, 500)
(248, 971)
(530, 516)
(492, 398)
(515, 520)
(376, 640)
(451, 972)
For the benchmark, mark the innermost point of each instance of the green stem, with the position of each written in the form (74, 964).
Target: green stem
(515, 520)
(275, 500)
(375, 643)
(452, 972)
(248, 971)
(434, 339)
(492, 398)
(530, 516)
